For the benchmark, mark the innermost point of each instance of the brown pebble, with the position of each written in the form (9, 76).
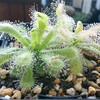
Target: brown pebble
(37, 90)
(99, 75)
(84, 79)
(92, 64)
(56, 81)
(3, 77)
(94, 85)
(71, 77)
(98, 61)
(52, 92)
(78, 86)
(98, 69)
(1, 90)
(17, 95)
(98, 81)
(3, 73)
(24, 91)
(79, 75)
(86, 93)
(8, 92)
(60, 91)
(91, 90)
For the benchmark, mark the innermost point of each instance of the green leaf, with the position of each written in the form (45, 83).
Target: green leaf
(14, 71)
(34, 37)
(42, 27)
(42, 20)
(6, 54)
(39, 66)
(55, 66)
(40, 70)
(59, 9)
(46, 40)
(24, 59)
(79, 27)
(9, 50)
(55, 41)
(76, 66)
(47, 57)
(27, 80)
(10, 29)
(95, 45)
(41, 17)
(72, 54)
(5, 57)
(68, 52)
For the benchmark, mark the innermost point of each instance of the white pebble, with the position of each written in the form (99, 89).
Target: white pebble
(98, 81)
(84, 90)
(95, 72)
(3, 87)
(7, 97)
(57, 87)
(71, 91)
(92, 97)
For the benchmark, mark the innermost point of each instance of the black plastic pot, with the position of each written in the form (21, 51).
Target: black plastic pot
(42, 97)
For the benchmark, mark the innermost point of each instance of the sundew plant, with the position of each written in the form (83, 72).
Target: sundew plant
(48, 48)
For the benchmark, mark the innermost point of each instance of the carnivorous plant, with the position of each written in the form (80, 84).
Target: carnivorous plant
(49, 49)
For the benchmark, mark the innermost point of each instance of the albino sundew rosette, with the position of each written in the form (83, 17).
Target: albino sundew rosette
(95, 30)
(64, 20)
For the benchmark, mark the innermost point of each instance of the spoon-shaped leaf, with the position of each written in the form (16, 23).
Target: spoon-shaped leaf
(68, 52)
(7, 54)
(76, 66)
(46, 40)
(27, 80)
(8, 28)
